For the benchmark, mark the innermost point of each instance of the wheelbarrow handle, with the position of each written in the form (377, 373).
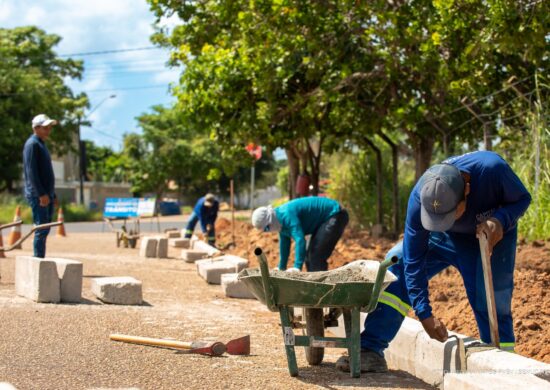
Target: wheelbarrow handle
(268, 287)
(11, 224)
(384, 265)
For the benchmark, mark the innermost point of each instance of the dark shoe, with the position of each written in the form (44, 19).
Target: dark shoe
(370, 362)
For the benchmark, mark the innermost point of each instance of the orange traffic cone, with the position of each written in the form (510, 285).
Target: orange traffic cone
(61, 228)
(15, 233)
(2, 255)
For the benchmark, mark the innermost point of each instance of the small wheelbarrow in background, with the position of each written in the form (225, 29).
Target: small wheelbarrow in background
(282, 293)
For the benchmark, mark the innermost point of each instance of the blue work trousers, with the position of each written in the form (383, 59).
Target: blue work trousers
(462, 252)
(40, 216)
(193, 219)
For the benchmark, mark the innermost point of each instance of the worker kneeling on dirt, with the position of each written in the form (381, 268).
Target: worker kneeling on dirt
(323, 218)
(451, 205)
(205, 211)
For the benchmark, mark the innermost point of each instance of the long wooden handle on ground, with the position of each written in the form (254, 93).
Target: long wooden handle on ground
(214, 349)
(489, 290)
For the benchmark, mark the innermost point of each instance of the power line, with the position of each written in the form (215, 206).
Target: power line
(95, 53)
(90, 90)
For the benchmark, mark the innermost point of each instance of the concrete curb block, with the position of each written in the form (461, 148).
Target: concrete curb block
(182, 243)
(191, 256)
(121, 290)
(431, 361)
(211, 270)
(199, 245)
(234, 288)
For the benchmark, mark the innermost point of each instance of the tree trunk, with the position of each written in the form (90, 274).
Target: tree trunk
(395, 183)
(293, 171)
(423, 149)
(379, 204)
(315, 164)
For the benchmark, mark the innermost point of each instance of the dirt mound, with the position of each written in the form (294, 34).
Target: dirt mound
(530, 303)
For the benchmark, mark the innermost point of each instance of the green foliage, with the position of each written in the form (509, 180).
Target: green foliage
(353, 183)
(71, 212)
(32, 81)
(282, 180)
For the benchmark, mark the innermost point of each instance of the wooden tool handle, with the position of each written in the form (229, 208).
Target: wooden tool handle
(152, 341)
(489, 290)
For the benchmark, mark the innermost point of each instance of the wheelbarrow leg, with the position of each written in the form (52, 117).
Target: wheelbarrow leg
(355, 344)
(288, 336)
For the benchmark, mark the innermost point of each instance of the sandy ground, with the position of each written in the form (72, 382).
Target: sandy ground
(67, 346)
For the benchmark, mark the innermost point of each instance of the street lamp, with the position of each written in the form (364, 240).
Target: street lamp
(81, 148)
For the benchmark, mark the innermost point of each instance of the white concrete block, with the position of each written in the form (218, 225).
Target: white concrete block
(205, 247)
(401, 352)
(122, 290)
(491, 381)
(497, 360)
(162, 248)
(7, 386)
(190, 255)
(234, 288)
(148, 247)
(70, 277)
(211, 270)
(433, 358)
(173, 234)
(340, 330)
(37, 279)
(179, 242)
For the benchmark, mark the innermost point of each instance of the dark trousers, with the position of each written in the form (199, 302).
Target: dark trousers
(323, 241)
(193, 219)
(40, 215)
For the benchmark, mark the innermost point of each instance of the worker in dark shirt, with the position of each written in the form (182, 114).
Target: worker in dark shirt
(452, 205)
(39, 179)
(205, 212)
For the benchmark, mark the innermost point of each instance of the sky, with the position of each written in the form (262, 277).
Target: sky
(139, 79)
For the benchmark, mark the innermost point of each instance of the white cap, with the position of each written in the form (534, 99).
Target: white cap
(42, 120)
(265, 217)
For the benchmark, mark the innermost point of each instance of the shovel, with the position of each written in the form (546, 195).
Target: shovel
(240, 346)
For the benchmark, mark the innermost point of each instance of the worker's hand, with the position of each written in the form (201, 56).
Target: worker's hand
(293, 269)
(208, 228)
(435, 329)
(492, 230)
(276, 269)
(44, 200)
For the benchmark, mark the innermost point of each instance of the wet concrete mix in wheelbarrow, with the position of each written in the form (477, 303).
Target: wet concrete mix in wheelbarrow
(530, 303)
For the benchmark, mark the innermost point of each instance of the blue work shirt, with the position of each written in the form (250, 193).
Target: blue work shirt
(206, 215)
(495, 191)
(298, 218)
(38, 169)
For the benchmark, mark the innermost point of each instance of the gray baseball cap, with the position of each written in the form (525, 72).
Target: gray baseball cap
(442, 189)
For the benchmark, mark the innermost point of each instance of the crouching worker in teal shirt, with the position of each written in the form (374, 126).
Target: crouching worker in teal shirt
(324, 219)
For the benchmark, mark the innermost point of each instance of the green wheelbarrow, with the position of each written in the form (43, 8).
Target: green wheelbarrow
(344, 294)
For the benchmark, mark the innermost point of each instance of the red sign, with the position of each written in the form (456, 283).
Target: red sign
(254, 150)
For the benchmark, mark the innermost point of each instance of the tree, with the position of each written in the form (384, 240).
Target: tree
(32, 82)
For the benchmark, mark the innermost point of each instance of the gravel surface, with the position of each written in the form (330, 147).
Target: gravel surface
(67, 346)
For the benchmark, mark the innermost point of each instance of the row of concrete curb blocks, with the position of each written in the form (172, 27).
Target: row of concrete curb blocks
(183, 243)
(234, 288)
(49, 280)
(154, 247)
(413, 351)
(122, 290)
(211, 270)
(490, 381)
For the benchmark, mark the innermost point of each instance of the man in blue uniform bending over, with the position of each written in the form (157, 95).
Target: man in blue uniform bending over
(324, 219)
(205, 212)
(452, 204)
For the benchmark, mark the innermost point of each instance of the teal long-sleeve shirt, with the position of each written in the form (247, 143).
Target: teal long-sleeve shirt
(299, 218)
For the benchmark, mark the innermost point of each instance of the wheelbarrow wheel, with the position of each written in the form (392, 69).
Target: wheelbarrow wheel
(315, 327)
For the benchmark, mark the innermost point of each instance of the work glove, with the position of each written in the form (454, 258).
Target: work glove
(435, 329)
(492, 230)
(276, 269)
(293, 269)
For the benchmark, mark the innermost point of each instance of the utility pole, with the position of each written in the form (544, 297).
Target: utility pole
(81, 149)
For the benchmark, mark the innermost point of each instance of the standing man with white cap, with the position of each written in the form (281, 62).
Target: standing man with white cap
(451, 205)
(39, 179)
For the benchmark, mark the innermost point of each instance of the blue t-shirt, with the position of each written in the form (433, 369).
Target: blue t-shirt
(38, 169)
(298, 218)
(206, 215)
(495, 191)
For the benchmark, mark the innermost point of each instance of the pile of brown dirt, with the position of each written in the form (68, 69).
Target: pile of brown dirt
(530, 303)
